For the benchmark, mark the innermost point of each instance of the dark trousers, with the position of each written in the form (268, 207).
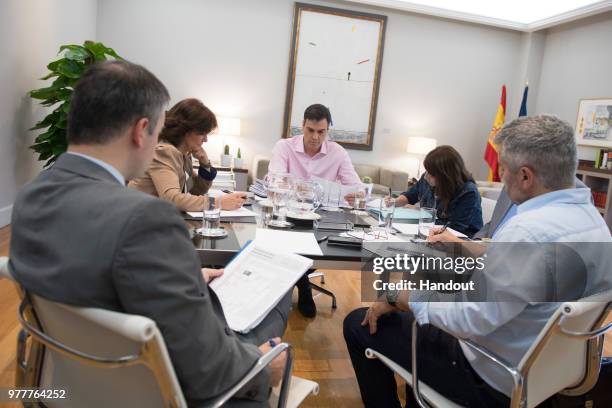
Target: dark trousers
(441, 363)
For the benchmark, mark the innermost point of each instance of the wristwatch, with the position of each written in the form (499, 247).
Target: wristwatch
(391, 296)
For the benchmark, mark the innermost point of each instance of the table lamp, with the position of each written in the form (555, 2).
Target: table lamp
(420, 146)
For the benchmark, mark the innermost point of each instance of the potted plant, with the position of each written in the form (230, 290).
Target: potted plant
(226, 157)
(67, 70)
(238, 160)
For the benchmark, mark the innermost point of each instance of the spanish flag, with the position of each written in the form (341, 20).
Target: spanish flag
(490, 154)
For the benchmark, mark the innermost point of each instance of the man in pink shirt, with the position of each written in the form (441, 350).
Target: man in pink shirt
(312, 154)
(307, 155)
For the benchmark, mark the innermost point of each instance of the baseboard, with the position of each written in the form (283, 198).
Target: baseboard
(5, 215)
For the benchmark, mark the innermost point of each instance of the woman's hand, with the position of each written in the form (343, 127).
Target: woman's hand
(414, 207)
(233, 201)
(200, 154)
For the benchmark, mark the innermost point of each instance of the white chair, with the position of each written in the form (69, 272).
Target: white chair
(488, 206)
(104, 358)
(565, 358)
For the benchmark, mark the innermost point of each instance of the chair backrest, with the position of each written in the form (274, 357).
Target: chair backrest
(488, 206)
(97, 339)
(260, 167)
(558, 361)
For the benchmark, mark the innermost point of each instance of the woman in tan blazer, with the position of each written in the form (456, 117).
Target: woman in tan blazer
(170, 175)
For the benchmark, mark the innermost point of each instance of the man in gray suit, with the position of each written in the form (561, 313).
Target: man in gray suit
(80, 237)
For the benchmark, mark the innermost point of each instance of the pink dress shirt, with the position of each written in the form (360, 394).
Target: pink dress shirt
(331, 163)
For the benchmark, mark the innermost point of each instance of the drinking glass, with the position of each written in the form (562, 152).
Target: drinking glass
(427, 220)
(211, 217)
(263, 210)
(306, 197)
(279, 187)
(387, 207)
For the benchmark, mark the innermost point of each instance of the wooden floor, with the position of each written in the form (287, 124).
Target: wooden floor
(320, 350)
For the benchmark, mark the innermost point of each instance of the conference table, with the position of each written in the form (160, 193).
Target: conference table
(219, 251)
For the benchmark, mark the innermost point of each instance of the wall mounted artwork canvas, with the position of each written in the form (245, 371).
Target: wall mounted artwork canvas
(336, 60)
(594, 122)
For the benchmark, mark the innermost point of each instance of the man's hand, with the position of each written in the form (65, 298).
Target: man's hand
(438, 235)
(277, 366)
(379, 308)
(350, 198)
(233, 201)
(210, 274)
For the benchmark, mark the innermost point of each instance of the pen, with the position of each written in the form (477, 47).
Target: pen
(227, 191)
(441, 230)
(272, 343)
(322, 239)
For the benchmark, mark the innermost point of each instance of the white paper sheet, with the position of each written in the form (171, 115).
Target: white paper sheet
(303, 243)
(408, 229)
(373, 236)
(241, 212)
(254, 282)
(413, 229)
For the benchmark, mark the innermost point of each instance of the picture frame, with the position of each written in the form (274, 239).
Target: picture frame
(336, 60)
(594, 122)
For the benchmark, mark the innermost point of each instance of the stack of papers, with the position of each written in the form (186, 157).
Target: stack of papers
(255, 281)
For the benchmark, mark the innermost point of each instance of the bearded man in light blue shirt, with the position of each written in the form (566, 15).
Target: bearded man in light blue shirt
(538, 163)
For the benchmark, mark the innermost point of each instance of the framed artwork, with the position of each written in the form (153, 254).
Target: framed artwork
(336, 60)
(594, 122)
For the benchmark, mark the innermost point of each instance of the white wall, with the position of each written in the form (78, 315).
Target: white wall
(440, 78)
(31, 32)
(577, 64)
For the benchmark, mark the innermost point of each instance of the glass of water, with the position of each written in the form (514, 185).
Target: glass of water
(211, 217)
(387, 207)
(427, 220)
(279, 187)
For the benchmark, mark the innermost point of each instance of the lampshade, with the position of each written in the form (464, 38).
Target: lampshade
(228, 126)
(420, 145)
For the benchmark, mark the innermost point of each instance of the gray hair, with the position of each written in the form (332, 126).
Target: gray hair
(544, 143)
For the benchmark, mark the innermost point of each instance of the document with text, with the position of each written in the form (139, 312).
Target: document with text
(255, 281)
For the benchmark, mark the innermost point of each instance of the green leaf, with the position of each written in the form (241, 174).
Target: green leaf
(49, 75)
(47, 121)
(71, 69)
(59, 149)
(80, 54)
(100, 51)
(49, 92)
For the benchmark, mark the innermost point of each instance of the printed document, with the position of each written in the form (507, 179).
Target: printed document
(255, 281)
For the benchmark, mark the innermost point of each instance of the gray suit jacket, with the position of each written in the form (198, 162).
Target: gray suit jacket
(499, 212)
(80, 237)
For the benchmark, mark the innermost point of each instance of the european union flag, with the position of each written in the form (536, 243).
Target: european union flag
(523, 111)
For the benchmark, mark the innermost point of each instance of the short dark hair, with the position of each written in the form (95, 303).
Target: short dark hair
(110, 96)
(318, 112)
(188, 115)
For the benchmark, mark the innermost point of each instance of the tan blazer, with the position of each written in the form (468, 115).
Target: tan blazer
(171, 176)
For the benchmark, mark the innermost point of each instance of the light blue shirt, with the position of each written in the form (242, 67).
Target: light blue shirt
(509, 214)
(509, 327)
(104, 165)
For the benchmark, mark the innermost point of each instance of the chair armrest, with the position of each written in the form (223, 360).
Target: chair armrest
(262, 363)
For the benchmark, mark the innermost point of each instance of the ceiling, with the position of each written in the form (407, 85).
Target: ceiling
(522, 15)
